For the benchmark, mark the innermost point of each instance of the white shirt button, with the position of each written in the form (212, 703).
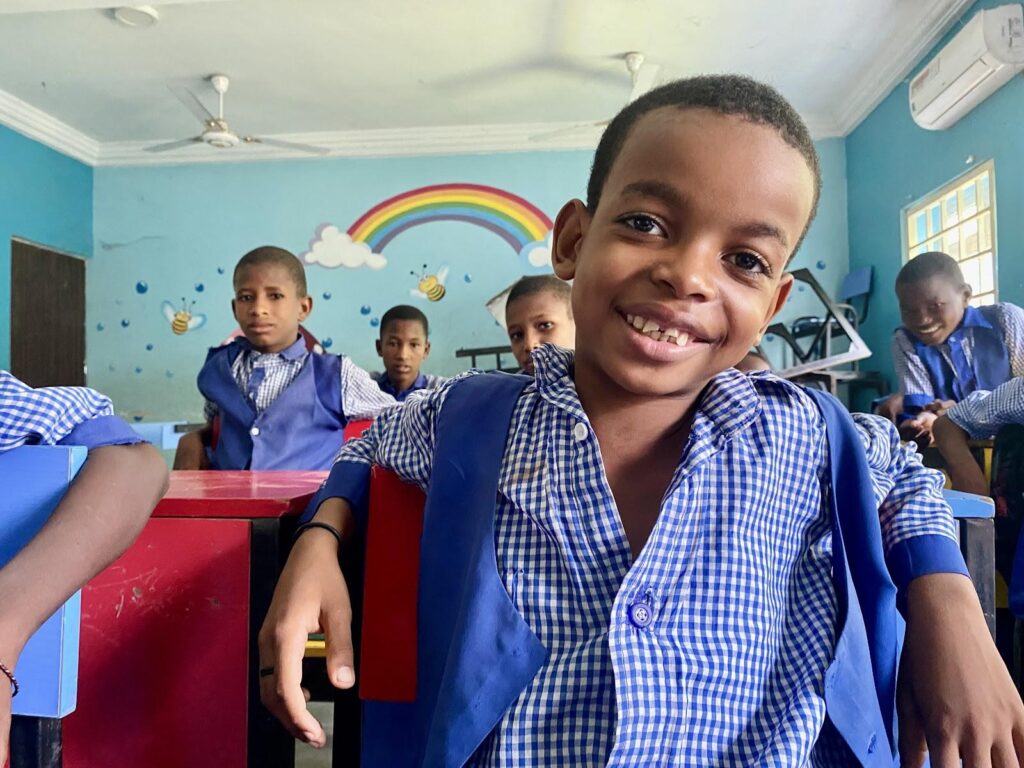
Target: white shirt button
(254, 431)
(580, 431)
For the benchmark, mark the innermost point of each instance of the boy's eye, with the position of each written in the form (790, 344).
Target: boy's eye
(515, 336)
(277, 295)
(547, 325)
(643, 223)
(749, 262)
(243, 297)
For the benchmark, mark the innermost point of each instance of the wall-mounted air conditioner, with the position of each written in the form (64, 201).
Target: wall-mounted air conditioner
(980, 58)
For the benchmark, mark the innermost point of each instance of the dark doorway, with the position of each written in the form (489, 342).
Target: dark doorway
(47, 316)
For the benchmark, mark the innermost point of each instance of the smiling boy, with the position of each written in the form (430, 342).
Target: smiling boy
(654, 581)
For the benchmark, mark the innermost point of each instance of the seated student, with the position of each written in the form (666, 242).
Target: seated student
(99, 517)
(947, 349)
(403, 345)
(654, 575)
(279, 406)
(538, 311)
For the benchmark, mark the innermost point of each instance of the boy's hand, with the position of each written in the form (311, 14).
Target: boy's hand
(954, 697)
(919, 428)
(939, 407)
(311, 596)
(891, 408)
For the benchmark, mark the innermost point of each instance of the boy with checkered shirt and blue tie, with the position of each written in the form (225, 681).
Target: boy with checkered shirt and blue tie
(659, 573)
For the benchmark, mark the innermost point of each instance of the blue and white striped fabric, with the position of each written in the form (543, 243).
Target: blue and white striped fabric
(981, 414)
(46, 415)
(710, 648)
(264, 376)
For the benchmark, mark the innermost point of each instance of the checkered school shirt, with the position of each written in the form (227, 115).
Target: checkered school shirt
(45, 415)
(710, 648)
(264, 376)
(913, 376)
(981, 414)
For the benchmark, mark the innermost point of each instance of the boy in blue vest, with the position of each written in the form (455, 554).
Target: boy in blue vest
(538, 312)
(278, 405)
(99, 517)
(946, 348)
(653, 576)
(403, 345)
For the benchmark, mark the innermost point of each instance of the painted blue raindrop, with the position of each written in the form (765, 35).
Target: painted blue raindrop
(169, 374)
(100, 326)
(375, 321)
(326, 343)
(111, 367)
(220, 270)
(327, 295)
(365, 309)
(200, 287)
(149, 347)
(137, 417)
(138, 369)
(801, 287)
(141, 287)
(769, 337)
(467, 277)
(821, 264)
(125, 322)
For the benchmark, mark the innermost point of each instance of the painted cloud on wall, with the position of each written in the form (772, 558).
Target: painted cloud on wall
(332, 248)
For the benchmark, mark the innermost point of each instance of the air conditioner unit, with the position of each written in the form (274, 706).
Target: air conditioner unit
(981, 57)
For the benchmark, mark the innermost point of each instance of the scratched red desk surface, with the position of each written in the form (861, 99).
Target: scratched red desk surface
(168, 630)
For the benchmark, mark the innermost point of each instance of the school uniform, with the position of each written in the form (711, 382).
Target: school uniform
(283, 410)
(541, 641)
(58, 416)
(423, 381)
(985, 350)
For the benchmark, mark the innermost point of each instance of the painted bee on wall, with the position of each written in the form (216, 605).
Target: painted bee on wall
(183, 320)
(431, 287)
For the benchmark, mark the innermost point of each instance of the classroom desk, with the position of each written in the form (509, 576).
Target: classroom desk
(167, 674)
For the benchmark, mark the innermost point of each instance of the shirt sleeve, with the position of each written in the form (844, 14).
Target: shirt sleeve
(1012, 318)
(911, 375)
(918, 530)
(981, 414)
(361, 397)
(400, 439)
(52, 415)
(210, 410)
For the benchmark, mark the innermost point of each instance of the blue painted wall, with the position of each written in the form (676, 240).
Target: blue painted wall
(45, 197)
(891, 162)
(168, 233)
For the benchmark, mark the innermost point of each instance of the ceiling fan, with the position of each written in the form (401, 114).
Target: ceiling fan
(216, 131)
(643, 77)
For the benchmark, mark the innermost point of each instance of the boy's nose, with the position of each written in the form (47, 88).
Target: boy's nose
(687, 271)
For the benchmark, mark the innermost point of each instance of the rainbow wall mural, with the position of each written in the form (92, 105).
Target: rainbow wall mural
(523, 226)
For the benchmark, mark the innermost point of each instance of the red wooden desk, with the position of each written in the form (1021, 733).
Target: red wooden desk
(167, 674)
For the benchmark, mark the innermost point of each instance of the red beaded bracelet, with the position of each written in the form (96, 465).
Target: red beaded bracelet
(10, 676)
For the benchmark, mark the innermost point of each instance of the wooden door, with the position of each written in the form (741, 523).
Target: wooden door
(47, 316)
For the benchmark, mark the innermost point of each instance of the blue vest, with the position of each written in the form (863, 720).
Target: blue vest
(991, 360)
(476, 654)
(302, 428)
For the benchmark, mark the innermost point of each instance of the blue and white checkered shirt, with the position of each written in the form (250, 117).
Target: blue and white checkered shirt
(981, 414)
(710, 648)
(49, 414)
(361, 398)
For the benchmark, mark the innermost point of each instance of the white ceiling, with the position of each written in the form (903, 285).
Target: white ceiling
(404, 76)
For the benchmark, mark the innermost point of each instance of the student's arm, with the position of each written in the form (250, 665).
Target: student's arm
(361, 396)
(954, 693)
(964, 472)
(1012, 318)
(191, 450)
(911, 377)
(311, 592)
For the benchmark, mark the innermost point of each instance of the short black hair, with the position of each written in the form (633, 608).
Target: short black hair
(403, 312)
(928, 265)
(533, 284)
(271, 254)
(725, 94)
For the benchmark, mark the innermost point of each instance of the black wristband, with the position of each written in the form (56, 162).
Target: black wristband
(307, 526)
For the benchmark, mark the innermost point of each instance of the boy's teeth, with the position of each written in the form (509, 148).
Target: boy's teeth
(682, 339)
(649, 326)
(638, 322)
(651, 329)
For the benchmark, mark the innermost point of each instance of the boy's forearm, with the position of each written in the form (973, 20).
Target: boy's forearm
(191, 451)
(964, 472)
(103, 511)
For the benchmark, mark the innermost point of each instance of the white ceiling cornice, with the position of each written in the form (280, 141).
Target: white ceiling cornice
(46, 129)
(896, 63)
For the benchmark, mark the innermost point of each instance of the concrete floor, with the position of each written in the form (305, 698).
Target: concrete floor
(305, 755)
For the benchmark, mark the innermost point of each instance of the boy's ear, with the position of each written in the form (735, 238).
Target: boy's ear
(571, 227)
(782, 291)
(377, 343)
(305, 307)
(426, 349)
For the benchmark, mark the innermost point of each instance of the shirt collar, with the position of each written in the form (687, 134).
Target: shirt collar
(296, 351)
(728, 404)
(388, 387)
(973, 317)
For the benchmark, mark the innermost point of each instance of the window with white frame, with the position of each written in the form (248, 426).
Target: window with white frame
(959, 219)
